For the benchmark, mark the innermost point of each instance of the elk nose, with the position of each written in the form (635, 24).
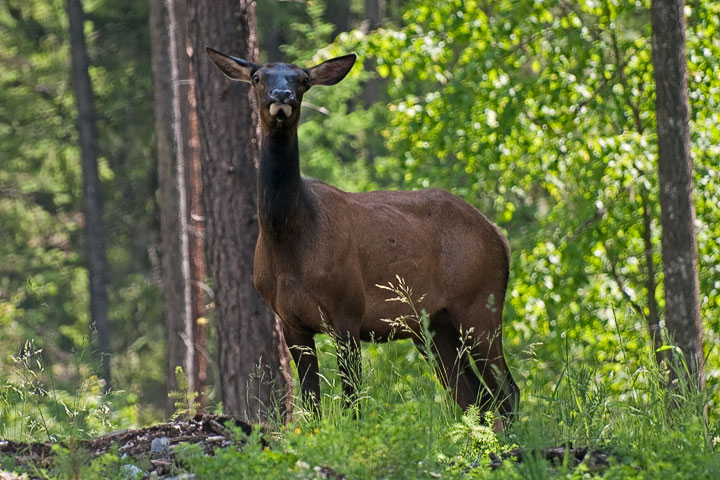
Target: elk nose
(282, 96)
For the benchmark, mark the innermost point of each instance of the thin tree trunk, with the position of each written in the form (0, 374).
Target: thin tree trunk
(253, 358)
(653, 316)
(274, 32)
(96, 260)
(375, 11)
(182, 234)
(679, 246)
(337, 12)
(198, 270)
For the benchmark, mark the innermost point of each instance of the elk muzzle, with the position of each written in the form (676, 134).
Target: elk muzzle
(282, 102)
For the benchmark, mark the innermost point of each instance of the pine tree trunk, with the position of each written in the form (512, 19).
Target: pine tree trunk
(679, 246)
(253, 358)
(92, 199)
(653, 315)
(375, 11)
(196, 224)
(337, 12)
(180, 190)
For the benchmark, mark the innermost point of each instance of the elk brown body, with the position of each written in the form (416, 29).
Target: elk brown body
(321, 254)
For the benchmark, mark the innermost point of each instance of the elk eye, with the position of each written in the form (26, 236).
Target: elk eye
(256, 78)
(306, 81)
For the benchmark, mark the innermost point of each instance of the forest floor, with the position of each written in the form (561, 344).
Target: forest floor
(151, 447)
(150, 451)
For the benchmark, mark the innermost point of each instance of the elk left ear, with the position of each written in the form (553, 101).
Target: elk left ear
(234, 68)
(332, 71)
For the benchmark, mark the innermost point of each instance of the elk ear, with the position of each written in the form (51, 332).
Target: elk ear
(332, 71)
(234, 68)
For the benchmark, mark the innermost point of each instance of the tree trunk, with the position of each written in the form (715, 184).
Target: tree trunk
(653, 316)
(253, 357)
(679, 246)
(337, 12)
(181, 227)
(92, 201)
(375, 11)
(198, 270)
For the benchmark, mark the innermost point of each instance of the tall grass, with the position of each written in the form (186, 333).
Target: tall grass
(409, 426)
(34, 408)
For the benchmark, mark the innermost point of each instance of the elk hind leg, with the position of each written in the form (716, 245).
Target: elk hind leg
(496, 386)
(349, 358)
(450, 366)
(302, 349)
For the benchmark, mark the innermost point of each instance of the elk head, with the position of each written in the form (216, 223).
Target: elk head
(280, 86)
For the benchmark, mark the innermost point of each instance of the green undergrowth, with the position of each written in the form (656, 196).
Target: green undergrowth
(36, 406)
(408, 427)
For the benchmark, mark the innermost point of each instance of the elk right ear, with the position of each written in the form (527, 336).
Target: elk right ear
(332, 71)
(234, 68)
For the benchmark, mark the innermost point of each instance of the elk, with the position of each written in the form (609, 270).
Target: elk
(321, 254)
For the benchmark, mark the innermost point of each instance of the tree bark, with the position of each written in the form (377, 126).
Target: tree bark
(375, 11)
(92, 198)
(679, 245)
(180, 190)
(196, 222)
(337, 12)
(653, 316)
(253, 358)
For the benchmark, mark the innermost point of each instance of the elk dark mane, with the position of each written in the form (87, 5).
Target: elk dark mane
(280, 190)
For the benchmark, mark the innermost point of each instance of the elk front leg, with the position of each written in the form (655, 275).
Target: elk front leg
(302, 349)
(349, 357)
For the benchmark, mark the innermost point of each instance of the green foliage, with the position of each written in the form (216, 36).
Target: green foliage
(32, 408)
(73, 462)
(43, 282)
(253, 461)
(184, 399)
(404, 433)
(473, 436)
(542, 115)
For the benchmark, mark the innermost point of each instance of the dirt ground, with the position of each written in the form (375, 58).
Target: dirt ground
(152, 443)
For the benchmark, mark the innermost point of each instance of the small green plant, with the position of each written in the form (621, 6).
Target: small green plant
(74, 462)
(474, 434)
(185, 399)
(253, 460)
(475, 440)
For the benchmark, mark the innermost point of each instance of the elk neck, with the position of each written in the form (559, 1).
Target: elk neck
(280, 194)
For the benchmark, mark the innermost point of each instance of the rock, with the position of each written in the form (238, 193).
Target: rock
(12, 476)
(160, 447)
(132, 471)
